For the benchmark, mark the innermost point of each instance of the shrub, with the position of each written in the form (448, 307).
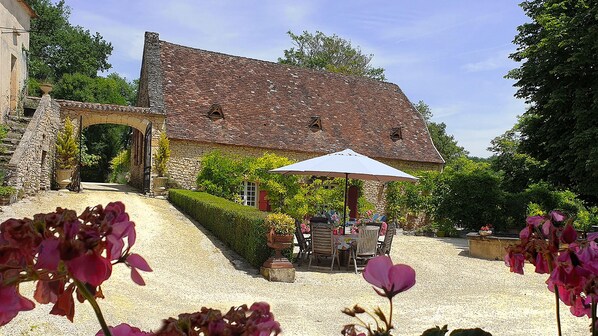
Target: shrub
(239, 227)
(279, 187)
(7, 191)
(66, 146)
(162, 155)
(221, 175)
(280, 223)
(119, 167)
(474, 197)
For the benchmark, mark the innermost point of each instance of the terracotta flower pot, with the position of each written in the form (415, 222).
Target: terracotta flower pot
(278, 242)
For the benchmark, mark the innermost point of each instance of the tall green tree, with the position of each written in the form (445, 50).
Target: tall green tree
(57, 47)
(445, 143)
(558, 78)
(330, 53)
(519, 170)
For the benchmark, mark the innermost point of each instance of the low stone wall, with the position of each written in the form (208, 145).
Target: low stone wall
(31, 167)
(489, 247)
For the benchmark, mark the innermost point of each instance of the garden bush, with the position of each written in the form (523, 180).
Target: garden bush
(239, 227)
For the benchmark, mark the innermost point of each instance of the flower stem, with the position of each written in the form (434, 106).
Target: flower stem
(389, 324)
(594, 333)
(558, 313)
(94, 304)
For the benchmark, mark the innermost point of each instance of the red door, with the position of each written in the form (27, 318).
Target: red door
(263, 203)
(352, 197)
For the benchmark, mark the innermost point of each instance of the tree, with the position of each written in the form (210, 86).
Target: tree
(446, 144)
(104, 141)
(330, 53)
(519, 169)
(57, 47)
(557, 78)
(111, 89)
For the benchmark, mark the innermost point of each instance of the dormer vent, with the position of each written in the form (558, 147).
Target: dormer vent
(215, 112)
(396, 134)
(315, 124)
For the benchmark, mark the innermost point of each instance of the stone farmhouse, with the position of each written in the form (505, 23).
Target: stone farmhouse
(244, 106)
(205, 101)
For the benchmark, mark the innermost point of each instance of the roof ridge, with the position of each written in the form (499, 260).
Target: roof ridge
(338, 74)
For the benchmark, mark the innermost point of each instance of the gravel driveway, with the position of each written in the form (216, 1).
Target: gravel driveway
(192, 269)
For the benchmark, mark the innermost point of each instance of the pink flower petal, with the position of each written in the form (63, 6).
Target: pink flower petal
(376, 271)
(401, 277)
(557, 216)
(49, 254)
(569, 234)
(90, 268)
(12, 304)
(137, 261)
(124, 329)
(535, 220)
(136, 277)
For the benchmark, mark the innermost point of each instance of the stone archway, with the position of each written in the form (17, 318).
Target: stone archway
(142, 120)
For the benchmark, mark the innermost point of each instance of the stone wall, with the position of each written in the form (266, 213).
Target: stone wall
(184, 165)
(32, 165)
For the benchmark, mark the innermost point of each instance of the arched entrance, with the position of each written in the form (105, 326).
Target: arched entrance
(146, 127)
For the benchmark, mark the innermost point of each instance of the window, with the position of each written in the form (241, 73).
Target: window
(215, 112)
(315, 124)
(14, 89)
(248, 193)
(396, 134)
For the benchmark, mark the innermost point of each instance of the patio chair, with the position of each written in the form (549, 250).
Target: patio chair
(366, 247)
(303, 243)
(322, 243)
(318, 220)
(386, 244)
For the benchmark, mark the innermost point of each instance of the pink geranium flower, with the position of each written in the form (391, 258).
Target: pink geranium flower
(12, 304)
(124, 329)
(391, 279)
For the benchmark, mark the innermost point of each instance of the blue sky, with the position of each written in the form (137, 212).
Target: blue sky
(453, 55)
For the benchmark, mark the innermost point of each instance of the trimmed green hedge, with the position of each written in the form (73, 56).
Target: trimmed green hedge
(239, 227)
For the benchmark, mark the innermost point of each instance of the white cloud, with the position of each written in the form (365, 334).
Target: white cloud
(498, 61)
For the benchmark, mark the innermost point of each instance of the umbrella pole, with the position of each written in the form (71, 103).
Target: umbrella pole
(345, 207)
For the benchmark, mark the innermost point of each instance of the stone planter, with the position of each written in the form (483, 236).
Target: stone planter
(489, 247)
(278, 268)
(63, 177)
(8, 199)
(46, 88)
(160, 184)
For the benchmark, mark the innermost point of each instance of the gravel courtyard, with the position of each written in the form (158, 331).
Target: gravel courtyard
(193, 269)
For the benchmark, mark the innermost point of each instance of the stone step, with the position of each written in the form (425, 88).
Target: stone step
(8, 141)
(19, 120)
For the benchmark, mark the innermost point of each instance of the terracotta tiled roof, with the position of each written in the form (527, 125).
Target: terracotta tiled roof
(271, 105)
(102, 107)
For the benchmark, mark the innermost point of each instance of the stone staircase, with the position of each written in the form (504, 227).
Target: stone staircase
(16, 129)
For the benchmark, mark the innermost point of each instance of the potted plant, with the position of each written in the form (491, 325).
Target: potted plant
(7, 195)
(161, 158)
(486, 230)
(280, 236)
(66, 154)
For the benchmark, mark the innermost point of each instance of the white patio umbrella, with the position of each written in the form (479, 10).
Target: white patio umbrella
(347, 164)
